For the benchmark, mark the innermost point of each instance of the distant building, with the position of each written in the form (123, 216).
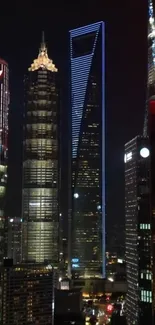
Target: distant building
(40, 192)
(28, 294)
(87, 88)
(4, 109)
(138, 232)
(14, 232)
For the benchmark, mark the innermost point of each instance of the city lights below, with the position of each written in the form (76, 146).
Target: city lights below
(110, 308)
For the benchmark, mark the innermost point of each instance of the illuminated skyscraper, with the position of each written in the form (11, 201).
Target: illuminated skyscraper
(151, 63)
(40, 162)
(149, 128)
(138, 232)
(4, 107)
(87, 80)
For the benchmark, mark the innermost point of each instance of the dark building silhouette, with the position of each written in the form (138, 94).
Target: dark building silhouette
(28, 293)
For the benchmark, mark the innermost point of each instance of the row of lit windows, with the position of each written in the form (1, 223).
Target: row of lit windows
(42, 126)
(41, 164)
(147, 276)
(145, 226)
(40, 113)
(146, 296)
(40, 192)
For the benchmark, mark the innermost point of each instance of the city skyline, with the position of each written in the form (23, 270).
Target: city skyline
(69, 120)
(120, 107)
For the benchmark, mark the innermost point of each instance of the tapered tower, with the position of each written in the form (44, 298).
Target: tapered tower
(40, 161)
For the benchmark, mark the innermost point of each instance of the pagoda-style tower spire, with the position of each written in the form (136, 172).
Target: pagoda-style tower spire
(43, 60)
(43, 44)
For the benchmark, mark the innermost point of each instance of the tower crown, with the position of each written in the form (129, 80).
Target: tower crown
(43, 60)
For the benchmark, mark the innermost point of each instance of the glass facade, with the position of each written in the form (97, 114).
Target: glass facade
(88, 150)
(138, 232)
(41, 162)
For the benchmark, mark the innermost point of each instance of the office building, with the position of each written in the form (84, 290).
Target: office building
(41, 162)
(138, 232)
(149, 125)
(4, 108)
(14, 237)
(28, 293)
(87, 86)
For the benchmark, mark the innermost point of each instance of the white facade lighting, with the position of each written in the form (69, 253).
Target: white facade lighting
(144, 152)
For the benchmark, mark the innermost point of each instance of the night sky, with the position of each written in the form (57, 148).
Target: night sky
(126, 65)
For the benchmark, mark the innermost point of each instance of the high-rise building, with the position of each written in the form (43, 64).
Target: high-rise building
(87, 88)
(41, 162)
(151, 63)
(14, 232)
(28, 293)
(149, 126)
(138, 232)
(4, 107)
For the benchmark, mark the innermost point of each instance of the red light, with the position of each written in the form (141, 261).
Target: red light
(152, 106)
(110, 308)
(107, 298)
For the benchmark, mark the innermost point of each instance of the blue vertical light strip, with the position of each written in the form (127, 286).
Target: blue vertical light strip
(103, 151)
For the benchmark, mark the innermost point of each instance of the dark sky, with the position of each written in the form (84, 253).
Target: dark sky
(126, 64)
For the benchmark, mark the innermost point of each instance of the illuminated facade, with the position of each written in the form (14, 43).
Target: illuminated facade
(4, 107)
(138, 232)
(41, 162)
(149, 127)
(28, 294)
(88, 150)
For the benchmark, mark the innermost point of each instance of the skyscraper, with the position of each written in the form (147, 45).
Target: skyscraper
(41, 161)
(87, 85)
(4, 107)
(151, 62)
(138, 232)
(149, 126)
(28, 293)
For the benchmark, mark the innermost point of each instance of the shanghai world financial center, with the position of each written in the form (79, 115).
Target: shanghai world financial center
(87, 92)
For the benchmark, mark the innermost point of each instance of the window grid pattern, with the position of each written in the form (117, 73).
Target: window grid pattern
(40, 169)
(88, 154)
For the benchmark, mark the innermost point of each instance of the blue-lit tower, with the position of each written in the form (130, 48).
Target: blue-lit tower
(87, 96)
